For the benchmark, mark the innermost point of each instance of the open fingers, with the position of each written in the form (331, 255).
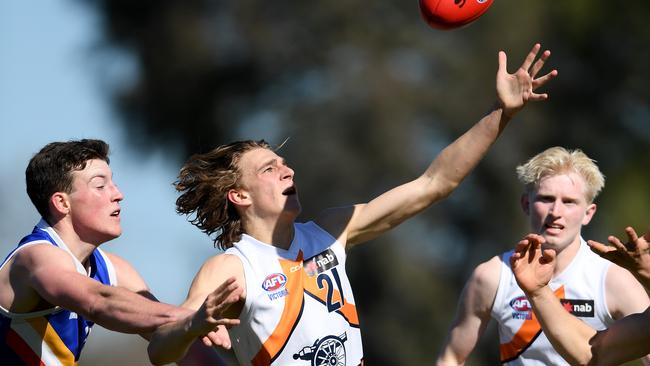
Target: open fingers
(544, 79)
(599, 248)
(224, 292)
(528, 61)
(631, 234)
(503, 63)
(539, 63)
(616, 242)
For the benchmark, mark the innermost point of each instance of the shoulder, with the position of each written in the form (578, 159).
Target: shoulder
(624, 293)
(488, 272)
(127, 275)
(43, 254)
(215, 271)
(485, 277)
(481, 288)
(220, 267)
(335, 221)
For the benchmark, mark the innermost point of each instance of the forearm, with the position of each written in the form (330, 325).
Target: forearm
(625, 340)
(569, 336)
(121, 310)
(458, 159)
(171, 342)
(448, 358)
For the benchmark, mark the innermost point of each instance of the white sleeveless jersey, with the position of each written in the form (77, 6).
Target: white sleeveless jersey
(581, 289)
(299, 307)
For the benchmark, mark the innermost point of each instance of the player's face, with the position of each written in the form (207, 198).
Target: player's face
(558, 208)
(95, 203)
(268, 181)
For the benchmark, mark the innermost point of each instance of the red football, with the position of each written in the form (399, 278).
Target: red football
(450, 14)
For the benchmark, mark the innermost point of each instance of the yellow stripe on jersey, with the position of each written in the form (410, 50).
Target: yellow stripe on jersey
(52, 341)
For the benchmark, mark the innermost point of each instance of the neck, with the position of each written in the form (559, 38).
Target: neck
(279, 234)
(79, 248)
(565, 256)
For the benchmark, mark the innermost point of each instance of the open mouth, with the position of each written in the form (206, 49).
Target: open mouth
(289, 191)
(554, 226)
(116, 213)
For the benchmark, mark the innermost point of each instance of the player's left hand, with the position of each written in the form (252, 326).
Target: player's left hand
(532, 265)
(515, 90)
(633, 255)
(210, 322)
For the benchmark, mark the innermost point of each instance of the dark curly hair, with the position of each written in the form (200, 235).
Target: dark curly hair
(204, 181)
(50, 170)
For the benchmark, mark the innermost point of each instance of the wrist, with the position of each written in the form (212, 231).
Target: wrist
(539, 293)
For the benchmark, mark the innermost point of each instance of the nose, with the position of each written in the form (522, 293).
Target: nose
(117, 195)
(287, 173)
(556, 209)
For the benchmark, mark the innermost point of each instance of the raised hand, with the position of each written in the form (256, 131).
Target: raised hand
(515, 90)
(532, 265)
(633, 255)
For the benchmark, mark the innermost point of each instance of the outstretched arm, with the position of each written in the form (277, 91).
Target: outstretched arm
(52, 275)
(363, 222)
(633, 255)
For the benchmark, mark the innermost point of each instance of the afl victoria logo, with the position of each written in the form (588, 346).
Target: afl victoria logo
(520, 303)
(274, 282)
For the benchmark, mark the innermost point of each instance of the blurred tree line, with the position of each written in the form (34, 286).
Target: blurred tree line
(368, 95)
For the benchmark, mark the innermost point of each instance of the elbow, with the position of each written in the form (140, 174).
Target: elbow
(154, 356)
(441, 188)
(583, 359)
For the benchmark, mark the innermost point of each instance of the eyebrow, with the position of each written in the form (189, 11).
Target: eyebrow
(272, 161)
(99, 175)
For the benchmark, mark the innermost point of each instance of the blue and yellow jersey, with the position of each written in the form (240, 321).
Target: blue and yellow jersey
(53, 336)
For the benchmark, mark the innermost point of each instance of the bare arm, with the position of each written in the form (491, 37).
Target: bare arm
(363, 222)
(633, 255)
(51, 273)
(625, 296)
(473, 314)
(533, 269)
(214, 308)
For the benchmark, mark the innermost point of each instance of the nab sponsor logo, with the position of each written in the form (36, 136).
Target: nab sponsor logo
(320, 263)
(274, 282)
(581, 308)
(520, 303)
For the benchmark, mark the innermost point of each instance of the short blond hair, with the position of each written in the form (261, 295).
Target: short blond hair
(558, 160)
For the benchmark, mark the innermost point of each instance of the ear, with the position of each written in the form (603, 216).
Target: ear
(589, 214)
(525, 203)
(60, 204)
(239, 197)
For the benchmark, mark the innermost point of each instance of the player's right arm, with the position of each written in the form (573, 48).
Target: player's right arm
(217, 295)
(579, 344)
(473, 313)
(47, 273)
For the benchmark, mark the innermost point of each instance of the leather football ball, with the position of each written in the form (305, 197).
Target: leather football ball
(451, 14)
